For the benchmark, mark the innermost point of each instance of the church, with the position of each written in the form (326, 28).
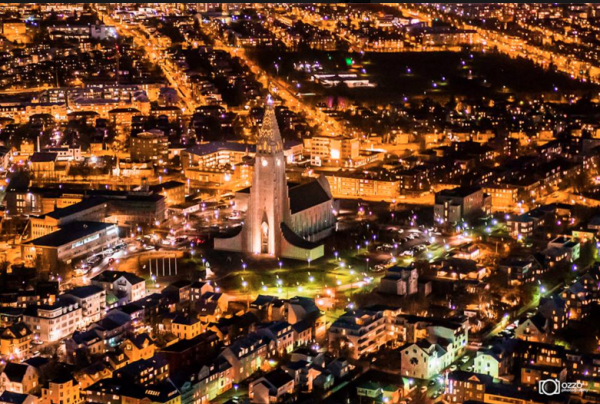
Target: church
(282, 220)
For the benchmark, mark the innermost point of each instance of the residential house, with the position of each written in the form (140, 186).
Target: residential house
(121, 283)
(273, 387)
(19, 378)
(15, 340)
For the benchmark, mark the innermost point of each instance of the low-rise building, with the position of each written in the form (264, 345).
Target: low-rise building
(74, 240)
(121, 284)
(19, 378)
(61, 390)
(53, 322)
(91, 299)
(15, 340)
(454, 205)
(271, 388)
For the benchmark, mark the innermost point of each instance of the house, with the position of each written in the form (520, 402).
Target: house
(185, 327)
(199, 288)
(185, 354)
(8, 397)
(19, 378)
(84, 344)
(359, 332)
(305, 374)
(205, 384)
(400, 281)
(495, 361)
(112, 328)
(282, 333)
(532, 373)
(556, 310)
(533, 329)
(248, 354)
(423, 359)
(562, 248)
(460, 269)
(144, 372)
(52, 322)
(179, 291)
(121, 283)
(469, 251)
(15, 340)
(454, 205)
(91, 299)
(579, 299)
(263, 306)
(520, 269)
(271, 388)
(61, 390)
(138, 347)
(467, 386)
(378, 393)
(301, 308)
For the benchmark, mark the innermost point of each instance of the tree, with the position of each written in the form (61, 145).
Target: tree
(340, 347)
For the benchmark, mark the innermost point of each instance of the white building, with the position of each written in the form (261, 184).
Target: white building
(74, 240)
(92, 300)
(424, 360)
(53, 322)
(364, 331)
(281, 221)
(121, 284)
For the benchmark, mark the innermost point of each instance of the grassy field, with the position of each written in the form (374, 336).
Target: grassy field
(432, 74)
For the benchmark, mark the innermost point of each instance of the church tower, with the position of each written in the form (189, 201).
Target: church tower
(269, 204)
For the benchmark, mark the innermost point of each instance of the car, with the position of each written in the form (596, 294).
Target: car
(377, 268)
(423, 389)
(35, 354)
(453, 368)
(37, 342)
(149, 247)
(470, 369)
(441, 391)
(120, 246)
(465, 359)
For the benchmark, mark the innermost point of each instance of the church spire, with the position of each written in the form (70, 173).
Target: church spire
(269, 137)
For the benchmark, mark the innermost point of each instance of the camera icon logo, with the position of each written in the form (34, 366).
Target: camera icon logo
(549, 387)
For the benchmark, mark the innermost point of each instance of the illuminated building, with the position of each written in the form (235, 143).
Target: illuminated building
(281, 221)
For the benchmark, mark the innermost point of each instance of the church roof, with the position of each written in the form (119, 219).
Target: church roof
(295, 239)
(307, 195)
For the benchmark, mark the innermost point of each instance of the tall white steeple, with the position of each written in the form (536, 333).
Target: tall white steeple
(269, 200)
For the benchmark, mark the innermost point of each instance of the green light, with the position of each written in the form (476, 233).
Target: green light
(349, 61)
